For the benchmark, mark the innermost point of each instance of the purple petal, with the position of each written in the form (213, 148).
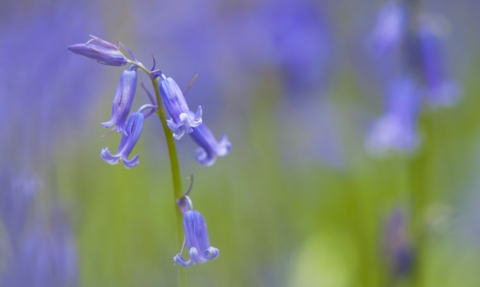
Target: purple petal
(189, 228)
(132, 162)
(224, 146)
(209, 148)
(101, 54)
(108, 157)
(211, 253)
(180, 261)
(201, 232)
(204, 158)
(104, 43)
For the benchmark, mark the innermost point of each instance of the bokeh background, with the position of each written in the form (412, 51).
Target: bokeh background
(299, 201)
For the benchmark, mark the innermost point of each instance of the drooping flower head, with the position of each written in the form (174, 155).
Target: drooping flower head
(182, 120)
(106, 53)
(129, 139)
(390, 27)
(196, 239)
(127, 142)
(209, 147)
(122, 102)
(397, 128)
(440, 90)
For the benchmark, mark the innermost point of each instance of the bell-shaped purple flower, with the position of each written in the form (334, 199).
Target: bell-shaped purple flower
(209, 148)
(107, 53)
(196, 240)
(182, 119)
(397, 128)
(127, 142)
(440, 90)
(390, 27)
(122, 102)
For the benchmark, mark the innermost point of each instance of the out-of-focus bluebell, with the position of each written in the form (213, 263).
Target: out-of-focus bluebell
(396, 129)
(122, 102)
(182, 120)
(288, 35)
(193, 41)
(16, 198)
(209, 147)
(396, 246)
(440, 90)
(42, 251)
(196, 239)
(134, 129)
(42, 92)
(107, 53)
(390, 27)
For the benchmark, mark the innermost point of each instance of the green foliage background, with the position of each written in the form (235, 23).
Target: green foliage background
(279, 223)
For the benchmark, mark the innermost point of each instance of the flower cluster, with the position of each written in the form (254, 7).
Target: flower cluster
(418, 37)
(180, 119)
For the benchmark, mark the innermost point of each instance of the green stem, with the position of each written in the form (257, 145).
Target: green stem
(175, 167)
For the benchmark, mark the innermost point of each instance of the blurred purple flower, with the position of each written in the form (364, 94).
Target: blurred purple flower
(289, 35)
(440, 90)
(106, 53)
(122, 102)
(390, 27)
(182, 120)
(193, 42)
(41, 254)
(209, 148)
(43, 90)
(16, 197)
(196, 239)
(397, 128)
(397, 249)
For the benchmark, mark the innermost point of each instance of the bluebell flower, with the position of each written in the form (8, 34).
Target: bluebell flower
(440, 90)
(396, 246)
(291, 36)
(41, 253)
(390, 27)
(397, 128)
(127, 142)
(209, 148)
(16, 198)
(182, 119)
(107, 53)
(196, 239)
(46, 91)
(122, 102)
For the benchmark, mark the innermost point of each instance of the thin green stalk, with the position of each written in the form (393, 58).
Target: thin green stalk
(175, 167)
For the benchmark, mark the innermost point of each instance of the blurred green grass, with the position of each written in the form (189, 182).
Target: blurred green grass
(277, 224)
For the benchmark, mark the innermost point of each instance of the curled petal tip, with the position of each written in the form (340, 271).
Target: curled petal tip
(178, 259)
(108, 157)
(194, 255)
(212, 253)
(224, 146)
(204, 158)
(132, 162)
(108, 124)
(197, 120)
